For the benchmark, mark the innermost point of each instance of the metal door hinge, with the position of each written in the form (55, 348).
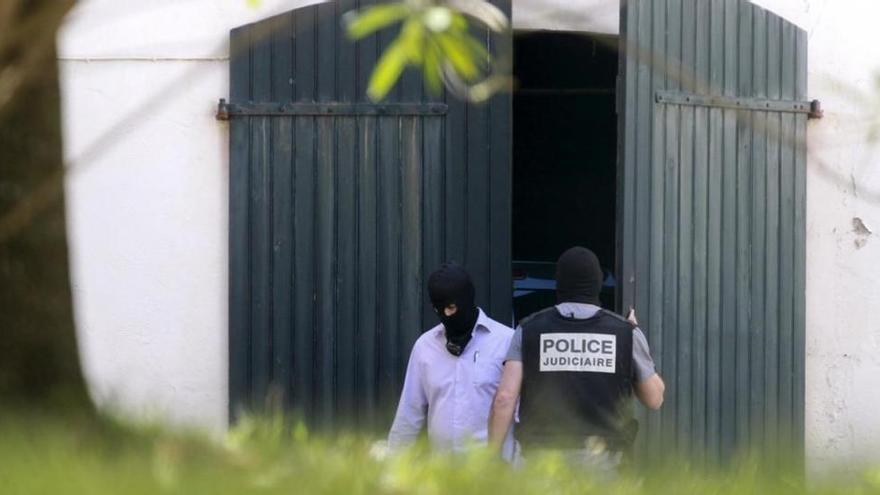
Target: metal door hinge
(813, 109)
(222, 110)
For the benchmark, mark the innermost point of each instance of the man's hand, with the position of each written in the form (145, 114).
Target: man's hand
(631, 316)
(504, 405)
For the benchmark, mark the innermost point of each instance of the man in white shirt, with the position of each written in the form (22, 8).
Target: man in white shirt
(453, 371)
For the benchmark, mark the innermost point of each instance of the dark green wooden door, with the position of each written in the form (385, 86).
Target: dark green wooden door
(339, 208)
(712, 219)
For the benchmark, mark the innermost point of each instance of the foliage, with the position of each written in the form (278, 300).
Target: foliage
(437, 38)
(40, 455)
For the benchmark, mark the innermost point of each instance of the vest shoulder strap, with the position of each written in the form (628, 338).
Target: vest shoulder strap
(528, 319)
(617, 317)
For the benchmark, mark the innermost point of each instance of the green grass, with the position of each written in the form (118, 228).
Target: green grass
(52, 456)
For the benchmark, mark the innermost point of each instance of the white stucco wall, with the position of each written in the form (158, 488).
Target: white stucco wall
(147, 199)
(843, 264)
(148, 204)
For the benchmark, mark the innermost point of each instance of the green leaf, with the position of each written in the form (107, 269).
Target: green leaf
(459, 54)
(412, 36)
(375, 18)
(387, 70)
(459, 22)
(431, 69)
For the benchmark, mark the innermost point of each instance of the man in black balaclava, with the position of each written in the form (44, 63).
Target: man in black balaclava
(578, 277)
(453, 370)
(452, 296)
(574, 368)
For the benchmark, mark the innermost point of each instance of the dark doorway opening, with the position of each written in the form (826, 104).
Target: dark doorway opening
(564, 159)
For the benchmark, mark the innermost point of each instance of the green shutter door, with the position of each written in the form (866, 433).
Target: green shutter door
(712, 220)
(339, 208)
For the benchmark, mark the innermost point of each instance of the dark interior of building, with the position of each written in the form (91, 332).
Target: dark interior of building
(564, 158)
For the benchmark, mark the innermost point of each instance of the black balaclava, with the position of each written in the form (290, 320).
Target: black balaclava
(451, 284)
(578, 277)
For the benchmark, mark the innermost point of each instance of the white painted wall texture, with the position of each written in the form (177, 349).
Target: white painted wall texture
(147, 196)
(147, 200)
(843, 259)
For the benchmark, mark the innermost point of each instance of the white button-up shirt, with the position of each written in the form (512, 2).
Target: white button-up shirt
(453, 393)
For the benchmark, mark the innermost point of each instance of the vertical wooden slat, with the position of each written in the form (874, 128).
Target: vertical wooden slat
(367, 383)
(282, 255)
(626, 170)
(456, 179)
(261, 259)
(432, 209)
(346, 295)
(411, 287)
(757, 26)
(771, 315)
(388, 267)
(636, 183)
(326, 51)
(239, 252)
(261, 221)
(700, 218)
(346, 56)
(325, 215)
(800, 234)
(325, 269)
(492, 121)
(367, 361)
(477, 177)
(683, 388)
(670, 346)
(303, 221)
(282, 211)
(728, 234)
(740, 161)
(786, 239)
(656, 163)
(282, 57)
(304, 265)
(634, 67)
(642, 179)
(719, 29)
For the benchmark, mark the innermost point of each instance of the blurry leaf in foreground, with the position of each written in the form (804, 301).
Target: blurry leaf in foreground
(488, 14)
(374, 18)
(387, 70)
(439, 40)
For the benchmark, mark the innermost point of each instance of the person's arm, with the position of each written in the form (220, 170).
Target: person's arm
(648, 387)
(412, 408)
(504, 405)
(650, 391)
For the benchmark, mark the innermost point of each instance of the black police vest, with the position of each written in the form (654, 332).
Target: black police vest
(577, 381)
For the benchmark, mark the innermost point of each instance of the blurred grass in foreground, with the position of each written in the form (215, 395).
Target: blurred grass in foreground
(53, 456)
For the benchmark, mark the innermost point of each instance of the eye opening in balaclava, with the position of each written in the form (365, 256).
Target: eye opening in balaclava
(578, 276)
(451, 284)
